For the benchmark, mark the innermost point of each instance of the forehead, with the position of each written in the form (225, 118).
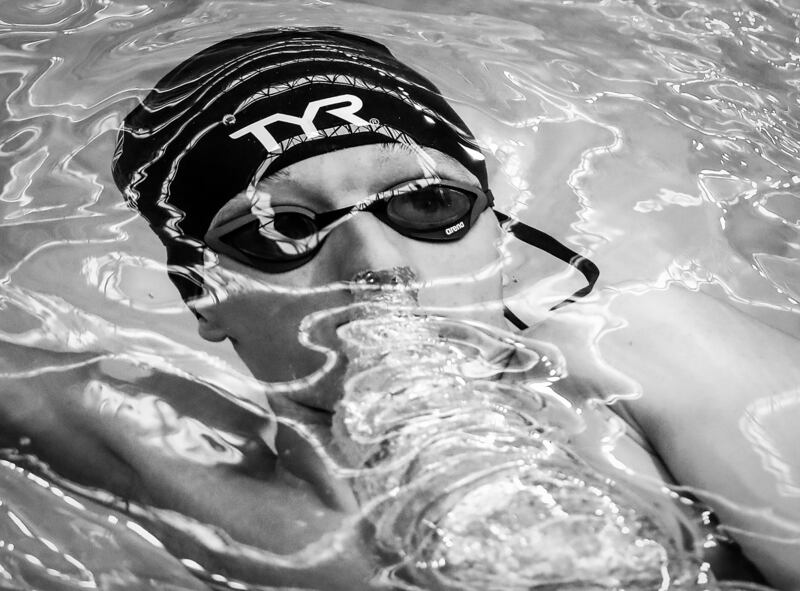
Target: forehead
(369, 168)
(339, 177)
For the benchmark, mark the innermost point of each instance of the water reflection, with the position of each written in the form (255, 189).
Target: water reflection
(659, 137)
(477, 484)
(770, 440)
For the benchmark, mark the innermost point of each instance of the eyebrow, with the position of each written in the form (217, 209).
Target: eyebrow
(455, 169)
(386, 149)
(279, 175)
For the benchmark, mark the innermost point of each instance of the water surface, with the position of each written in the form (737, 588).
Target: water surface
(659, 138)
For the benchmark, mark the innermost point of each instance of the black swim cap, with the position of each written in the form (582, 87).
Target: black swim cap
(255, 103)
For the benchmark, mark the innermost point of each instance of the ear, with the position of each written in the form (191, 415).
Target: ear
(208, 328)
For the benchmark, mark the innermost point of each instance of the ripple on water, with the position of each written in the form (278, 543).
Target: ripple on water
(611, 124)
(53, 14)
(133, 281)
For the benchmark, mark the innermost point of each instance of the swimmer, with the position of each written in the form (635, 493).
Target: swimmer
(248, 160)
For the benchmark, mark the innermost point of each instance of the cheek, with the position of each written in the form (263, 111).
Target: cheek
(464, 272)
(263, 326)
(264, 330)
(475, 255)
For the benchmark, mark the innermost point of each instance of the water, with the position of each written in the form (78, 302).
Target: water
(660, 138)
(474, 482)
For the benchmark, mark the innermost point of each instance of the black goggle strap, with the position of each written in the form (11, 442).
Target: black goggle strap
(551, 246)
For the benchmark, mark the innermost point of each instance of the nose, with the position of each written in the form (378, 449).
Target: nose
(364, 243)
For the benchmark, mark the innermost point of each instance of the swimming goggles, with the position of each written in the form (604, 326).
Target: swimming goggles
(285, 237)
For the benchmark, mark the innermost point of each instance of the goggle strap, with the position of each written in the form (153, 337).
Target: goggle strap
(550, 245)
(513, 318)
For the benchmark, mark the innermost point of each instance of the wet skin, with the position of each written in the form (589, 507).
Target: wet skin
(262, 322)
(694, 397)
(262, 319)
(288, 502)
(699, 383)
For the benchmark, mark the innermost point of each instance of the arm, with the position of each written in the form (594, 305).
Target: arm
(100, 431)
(721, 403)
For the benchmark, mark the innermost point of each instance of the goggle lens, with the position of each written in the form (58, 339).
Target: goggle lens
(265, 242)
(424, 210)
(294, 225)
(431, 208)
(288, 236)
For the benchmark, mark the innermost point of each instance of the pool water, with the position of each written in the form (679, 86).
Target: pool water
(659, 138)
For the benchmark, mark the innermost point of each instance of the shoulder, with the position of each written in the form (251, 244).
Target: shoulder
(719, 403)
(697, 356)
(691, 369)
(715, 392)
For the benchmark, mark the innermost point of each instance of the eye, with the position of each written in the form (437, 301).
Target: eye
(293, 224)
(280, 238)
(429, 208)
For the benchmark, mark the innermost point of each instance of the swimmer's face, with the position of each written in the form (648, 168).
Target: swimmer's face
(261, 320)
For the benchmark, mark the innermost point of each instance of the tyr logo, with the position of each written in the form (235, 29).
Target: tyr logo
(347, 112)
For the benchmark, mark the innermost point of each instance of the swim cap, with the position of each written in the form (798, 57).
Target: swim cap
(256, 103)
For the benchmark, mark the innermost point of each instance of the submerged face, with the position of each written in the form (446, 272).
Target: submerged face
(260, 312)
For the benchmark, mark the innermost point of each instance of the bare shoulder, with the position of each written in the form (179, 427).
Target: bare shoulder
(714, 391)
(711, 379)
(720, 401)
(697, 358)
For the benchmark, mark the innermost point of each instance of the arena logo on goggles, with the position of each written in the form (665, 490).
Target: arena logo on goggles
(347, 112)
(454, 229)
